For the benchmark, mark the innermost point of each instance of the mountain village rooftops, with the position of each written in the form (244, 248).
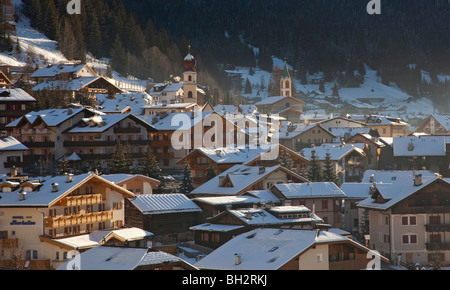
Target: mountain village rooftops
(241, 177)
(309, 190)
(419, 146)
(13, 95)
(176, 121)
(11, 144)
(265, 249)
(51, 117)
(390, 176)
(164, 203)
(337, 151)
(96, 238)
(395, 192)
(57, 69)
(356, 190)
(49, 190)
(101, 123)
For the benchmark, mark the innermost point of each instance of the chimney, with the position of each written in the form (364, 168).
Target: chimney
(22, 195)
(238, 259)
(372, 177)
(418, 179)
(69, 177)
(262, 169)
(13, 171)
(55, 187)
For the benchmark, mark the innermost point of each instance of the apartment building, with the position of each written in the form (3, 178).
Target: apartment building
(37, 216)
(409, 221)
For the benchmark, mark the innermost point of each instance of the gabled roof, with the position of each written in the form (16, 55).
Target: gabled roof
(176, 121)
(391, 176)
(309, 190)
(57, 69)
(420, 146)
(51, 117)
(242, 178)
(395, 192)
(164, 204)
(337, 151)
(266, 249)
(123, 177)
(14, 95)
(11, 144)
(45, 197)
(272, 100)
(99, 124)
(72, 85)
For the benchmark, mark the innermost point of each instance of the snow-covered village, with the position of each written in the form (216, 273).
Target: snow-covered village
(131, 142)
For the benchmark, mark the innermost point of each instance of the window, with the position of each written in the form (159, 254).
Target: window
(435, 220)
(435, 238)
(409, 239)
(409, 221)
(324, 204)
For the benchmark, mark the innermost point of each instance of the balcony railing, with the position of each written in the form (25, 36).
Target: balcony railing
(63, 221)
(9, 243)
(437, 227)
(39, 144)
(127, 130)
(84, 144)
(82, 200)
(434, 246)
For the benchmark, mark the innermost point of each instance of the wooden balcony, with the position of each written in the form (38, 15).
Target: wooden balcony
(127, 130)
(88, 144)
(437, 246)
(9, 243)
(64, 221)
(82, 200)
(39, 144)
(437, 227)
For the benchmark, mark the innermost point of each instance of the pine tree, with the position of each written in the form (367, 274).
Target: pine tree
(119, 160)
(329, 173)
(364, 225)
(118, 56)
(210, 173)
(186, 183)
(151, 166)
(314, 170)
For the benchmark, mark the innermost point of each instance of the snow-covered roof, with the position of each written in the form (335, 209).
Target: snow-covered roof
(390, 176)
(337, 151)
(67, 85)
(96, 238)
(46, 197)
(228, 200)
(356, 190)
(51, 117)
(133, 101)
(164, 204)
(14, 95)
(170, 106)
(419, 146)
(396, 192)
(265, 249)
(444, 120)
(57, 69)
(11, 144)
(215, 227)
(273, 100)
(108, 258)
(176, 121)
(241, 176)
(123, 177)
(238, 155)
(98, 124)
(262, 217)
(309, 190)
(348, 131)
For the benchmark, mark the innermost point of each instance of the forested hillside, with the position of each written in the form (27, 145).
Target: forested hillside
(148, 38)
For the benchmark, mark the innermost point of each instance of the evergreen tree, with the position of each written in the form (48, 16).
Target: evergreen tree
(247, 87)
(314, 170)
(210, 173)
(151, 166)
(364, 225)
(329, 173)
(119, 160)
(186, 183)
(118, 56)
